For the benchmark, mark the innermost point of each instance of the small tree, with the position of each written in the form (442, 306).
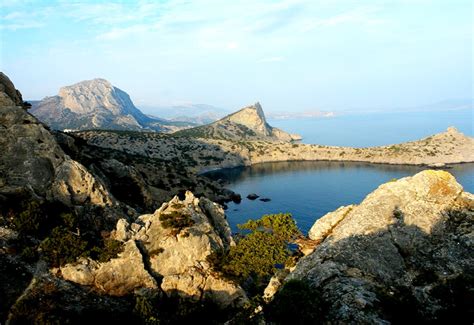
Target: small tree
(258, 254)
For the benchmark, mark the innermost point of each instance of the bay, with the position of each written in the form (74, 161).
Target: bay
(308, 190)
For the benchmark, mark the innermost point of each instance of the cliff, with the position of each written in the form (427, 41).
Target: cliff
(403, 254)
(95, 104)
(249, 123)
(70, 233)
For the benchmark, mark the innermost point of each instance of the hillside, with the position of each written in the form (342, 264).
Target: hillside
(249, 123)
(95, 104)
(202, 154)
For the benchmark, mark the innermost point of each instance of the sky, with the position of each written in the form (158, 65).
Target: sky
(289, 55)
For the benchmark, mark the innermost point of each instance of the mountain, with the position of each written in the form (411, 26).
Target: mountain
(95, 104)
(193, 113)
(249, 123)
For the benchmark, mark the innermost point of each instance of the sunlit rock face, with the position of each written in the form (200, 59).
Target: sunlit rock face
(93, 104)
(166, 258)
(408, 244)
(33, 164)
(249, 123)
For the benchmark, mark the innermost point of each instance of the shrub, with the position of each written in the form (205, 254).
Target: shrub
(257, 255)
(281, 225)
(28, 221)
(176, 220)
(110, 249)
(62, 247)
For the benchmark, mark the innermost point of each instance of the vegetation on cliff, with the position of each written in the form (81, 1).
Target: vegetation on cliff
(260, 251)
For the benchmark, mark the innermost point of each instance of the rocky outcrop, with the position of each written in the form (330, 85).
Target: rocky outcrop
(33, 163)
(118, 277)
(94, 104)
(404, 253)
(9, 96)
(174, 254)
(249, 123)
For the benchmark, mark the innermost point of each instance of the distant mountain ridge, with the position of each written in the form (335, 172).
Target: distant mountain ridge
(249, 123)
(193, 113)
(95, 104)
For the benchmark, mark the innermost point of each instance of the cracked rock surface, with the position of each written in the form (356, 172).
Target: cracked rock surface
(405, 252)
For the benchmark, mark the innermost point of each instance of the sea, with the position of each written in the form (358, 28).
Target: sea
(308, 190)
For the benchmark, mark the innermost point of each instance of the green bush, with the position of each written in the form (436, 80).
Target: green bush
(176, 220)
(257, 255)
(110, 249)
(63, 247)
(282, 225)
(28, 221)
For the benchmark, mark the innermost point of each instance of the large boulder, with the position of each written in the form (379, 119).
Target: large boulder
(404, 253)
(167, 254)
(117, 277)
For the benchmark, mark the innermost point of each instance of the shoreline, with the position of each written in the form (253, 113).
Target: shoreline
(446, 165)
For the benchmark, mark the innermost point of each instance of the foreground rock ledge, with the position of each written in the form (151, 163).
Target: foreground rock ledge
(408, 244)
(161, 258)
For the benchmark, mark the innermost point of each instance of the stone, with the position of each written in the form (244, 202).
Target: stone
(323, 226)
(122, 275)
(93, 104)
(249, 123)
(9, 96)
(406, 244)
(177, 257)
(252, 196)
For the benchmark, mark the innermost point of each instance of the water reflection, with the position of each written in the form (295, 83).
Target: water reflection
(310, 189)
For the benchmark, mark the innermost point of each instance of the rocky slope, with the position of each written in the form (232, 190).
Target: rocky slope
(33, 164)
(95, 104)
(403, 254)
(198, 155)
(249, 123)
(55, 209)
(172, 259)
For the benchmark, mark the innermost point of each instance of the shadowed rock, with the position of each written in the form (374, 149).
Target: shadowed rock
(404, 253)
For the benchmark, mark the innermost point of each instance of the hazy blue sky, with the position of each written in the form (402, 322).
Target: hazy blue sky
(289, 55)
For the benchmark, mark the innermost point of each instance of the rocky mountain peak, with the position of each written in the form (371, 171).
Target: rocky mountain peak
(94, 95)
(247, 123)
(93, 104)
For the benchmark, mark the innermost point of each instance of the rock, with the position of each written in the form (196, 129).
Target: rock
(249, 123)
(177, 256)
(265, 199)
(94, 104)
(274, 284)
(74, 185)
(252, 196)
(407, 244)
(118, 277)
(9, 96)
(122, 232)
(82, 272)
(122, 275)
(323, 226)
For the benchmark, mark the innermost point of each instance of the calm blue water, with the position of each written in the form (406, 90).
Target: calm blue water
(377, 129)
(308, 190)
